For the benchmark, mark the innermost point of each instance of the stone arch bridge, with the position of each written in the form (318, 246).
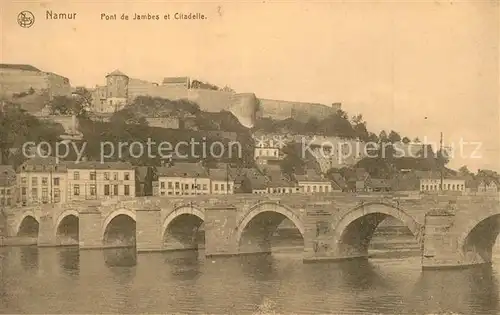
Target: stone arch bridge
(452, 230)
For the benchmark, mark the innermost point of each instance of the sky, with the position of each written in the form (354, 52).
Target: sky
(417, 67)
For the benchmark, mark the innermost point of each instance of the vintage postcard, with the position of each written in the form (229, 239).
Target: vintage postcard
(257, 157)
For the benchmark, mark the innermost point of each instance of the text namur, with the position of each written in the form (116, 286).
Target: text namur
(51, 15)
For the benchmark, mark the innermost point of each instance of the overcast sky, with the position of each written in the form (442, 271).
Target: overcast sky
(396, 63)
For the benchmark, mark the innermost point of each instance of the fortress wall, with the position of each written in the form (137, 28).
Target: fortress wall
(281, 110)
(58, 85)
(16, 81)
(210, 100)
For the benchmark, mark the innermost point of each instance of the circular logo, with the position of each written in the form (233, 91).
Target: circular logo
(25, 19)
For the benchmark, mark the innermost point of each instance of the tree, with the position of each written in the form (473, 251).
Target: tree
(406, 140)
(416, 140)
(292, 161)
(383, 136)
(394, 137)
(77, 105)
(464, 171)
(373, 138)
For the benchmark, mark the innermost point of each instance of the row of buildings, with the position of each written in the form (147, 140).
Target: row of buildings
(42, 181)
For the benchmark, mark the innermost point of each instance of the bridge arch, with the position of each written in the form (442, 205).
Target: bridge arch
(107, 224)
(21, 220)
(181, 227)
(67, 226)
(477, 237)
(266, 217)
(354, 230)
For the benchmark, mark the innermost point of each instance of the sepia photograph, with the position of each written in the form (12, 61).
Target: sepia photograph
(254, 157)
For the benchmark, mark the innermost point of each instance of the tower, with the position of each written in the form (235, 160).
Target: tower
(116, 90)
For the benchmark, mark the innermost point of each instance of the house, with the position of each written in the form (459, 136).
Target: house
(182, 178)
(279, 183)
(431, 181)
(250, 180)
(144, 178)
(357, 180)
(338, 182)
(221, 181)
(408, 183)
(8, 191)
(312, 182)
(89, 180)
(377, 185)
(488, 184)
(42, 180)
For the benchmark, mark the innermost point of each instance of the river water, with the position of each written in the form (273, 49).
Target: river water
(65, 280)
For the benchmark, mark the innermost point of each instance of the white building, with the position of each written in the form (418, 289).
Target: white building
(432, 182)
(183, 178)
(95, 180)
(311, 182)
(42, 180)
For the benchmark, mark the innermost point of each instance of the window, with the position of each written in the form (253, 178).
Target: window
(320, 188)
(76, 190)
(169, 185)
(216, 187)
(115, 176)
(126, 176)
(93, 176)
(93, 190)
(115, 190)
(45, 195)
(222, 187)
(106, 190)
(57, 195)
(34, 193)
(76, 175)
(204, 186)
(229, 187)
(326, 189)
(106, 176)
(308, 188)
(186, 186)
(23, 191)
(126, 190)
(163, 193)
(9, 201)
(56, 181)
(34, 181)
(7, 191)
(23, 180)
(2, 191)
(176, 185)
(162, 184)
(44, 181)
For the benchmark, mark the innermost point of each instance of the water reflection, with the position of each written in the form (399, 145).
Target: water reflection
(29, 257)
(120, 257)
(184, 265)
(470, 291)
(120, 281)
(69, 259)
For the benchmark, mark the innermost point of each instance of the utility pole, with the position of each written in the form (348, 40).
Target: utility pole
(227, 178)
(441, 161)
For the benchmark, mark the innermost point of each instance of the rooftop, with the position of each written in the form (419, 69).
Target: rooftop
(117, 73)
(168, 80)
(183, 169)
(19, 67)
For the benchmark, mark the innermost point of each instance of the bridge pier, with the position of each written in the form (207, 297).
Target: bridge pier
(148, 230)
(90, 229)
(441, 249)
(220, 230)
(46, 231)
